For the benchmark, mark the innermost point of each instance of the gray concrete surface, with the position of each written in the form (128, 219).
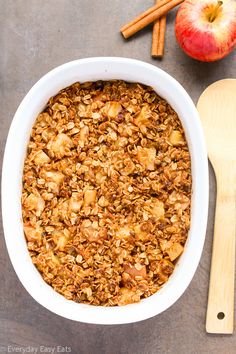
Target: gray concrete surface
(36, 36)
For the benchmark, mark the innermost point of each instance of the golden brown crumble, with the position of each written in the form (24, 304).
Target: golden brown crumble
(106, 192)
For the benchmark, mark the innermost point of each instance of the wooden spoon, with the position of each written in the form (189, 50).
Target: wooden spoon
(217, 109)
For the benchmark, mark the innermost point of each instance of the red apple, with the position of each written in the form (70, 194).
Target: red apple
(206, 29)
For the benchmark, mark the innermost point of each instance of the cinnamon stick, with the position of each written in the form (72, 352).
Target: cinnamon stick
(149, 16)
(155, 37)
(158, 36)
(145, 13)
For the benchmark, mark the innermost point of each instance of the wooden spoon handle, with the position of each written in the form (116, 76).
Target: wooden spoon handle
(220, 311)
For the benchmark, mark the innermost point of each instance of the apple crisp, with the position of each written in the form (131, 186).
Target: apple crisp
(106, 192)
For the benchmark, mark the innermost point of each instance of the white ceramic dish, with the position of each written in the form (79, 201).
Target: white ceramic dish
(93, 69)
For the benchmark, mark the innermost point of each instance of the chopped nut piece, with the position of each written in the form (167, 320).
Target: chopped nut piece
(86, 223)
(113, 109)
(136, 270)
(175, 251)
(76, 202)
(96, 115)
(123, 232)
(94, 235)
(103, 202)
(166, 266)
(54, 179)
(140, 233)
(88, 292)
(79, 258)
(41, 158)
(35, 202)
(129, 167)
(127, 296)
(83, 136)
(33, 234)
(54, 176)
(143, 118)
(60, 145)
(55, 259)
(165, 244)
(60, 239)
(146, 157)
(90, 197)
(176, 138)
(100, 178)
(157, 209)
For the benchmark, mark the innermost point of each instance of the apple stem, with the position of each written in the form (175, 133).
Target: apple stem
(214, 14)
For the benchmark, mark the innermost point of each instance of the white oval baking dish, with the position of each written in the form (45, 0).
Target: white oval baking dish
(93, 69)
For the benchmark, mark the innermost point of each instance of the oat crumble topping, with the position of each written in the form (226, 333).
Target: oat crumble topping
(106, 192)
